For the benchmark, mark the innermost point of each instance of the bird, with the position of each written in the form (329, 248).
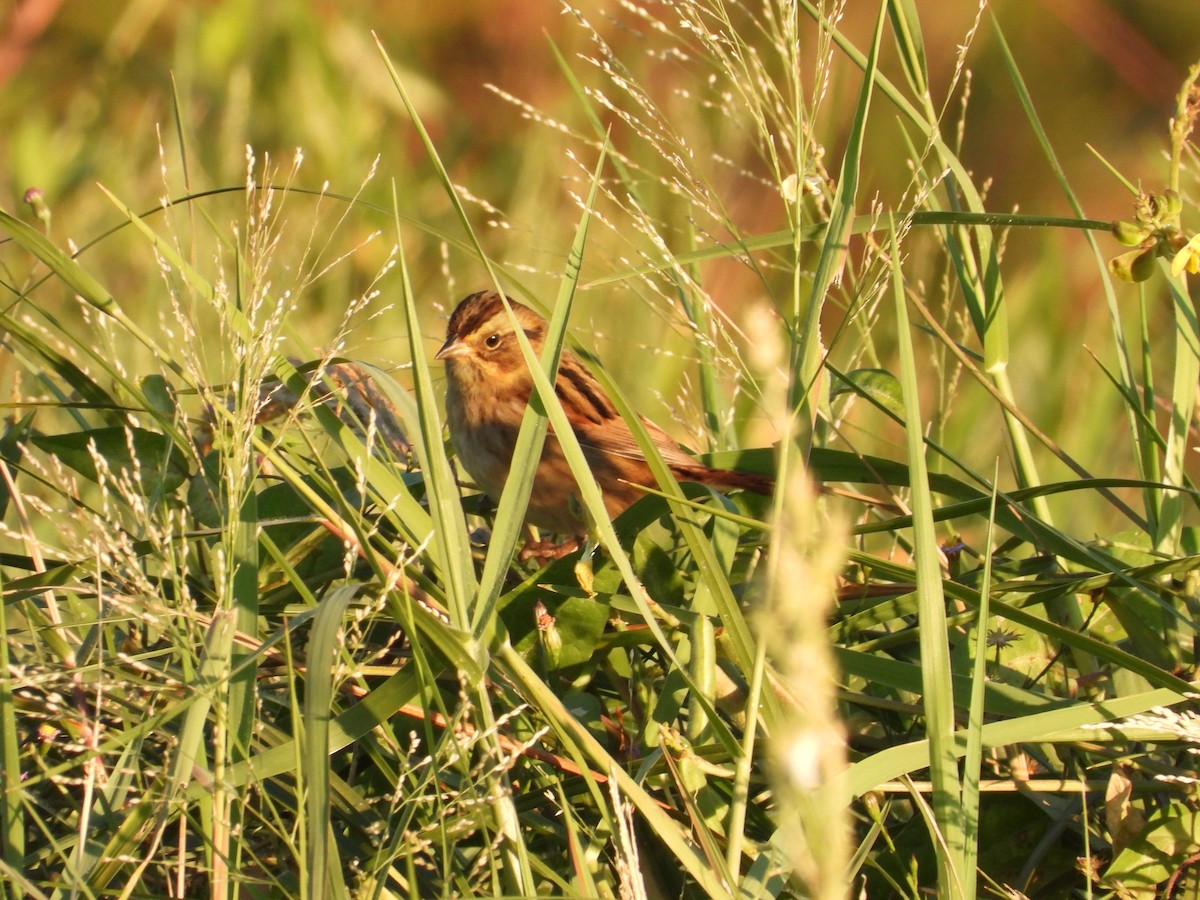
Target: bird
(488, 385)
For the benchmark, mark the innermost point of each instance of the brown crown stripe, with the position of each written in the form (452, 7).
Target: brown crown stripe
(471, 317)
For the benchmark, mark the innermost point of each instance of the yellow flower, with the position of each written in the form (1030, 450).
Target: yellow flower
(1188, 258)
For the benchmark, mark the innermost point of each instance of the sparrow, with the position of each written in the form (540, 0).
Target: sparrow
(488, 386)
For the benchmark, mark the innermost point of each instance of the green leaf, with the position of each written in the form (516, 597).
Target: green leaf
(150, 460)
(207, 499)
(160, 396)
(1169, 836)
(580, 622)
(878, 384)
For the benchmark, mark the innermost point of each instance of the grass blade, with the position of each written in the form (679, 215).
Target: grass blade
(445, 507)
(973, 757)
(12, 819)
(322, 873)
(1183, 406)
(514, 499)
(935, 654)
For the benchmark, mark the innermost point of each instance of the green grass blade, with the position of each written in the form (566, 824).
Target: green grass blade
(12, 818)
(935, 654)
(1183, 406)
(514, 499)
(860, 225)
(1081, 641)
(572, 732)
(243, 546)
(1069, 724)
(1137, 422)
(321, 873)
(516, 870)
(73, 276)
(445, 507)
(240, 703)
(806, 320)
(712, 582)
(439, 167)
(906, 26)
(973, 757)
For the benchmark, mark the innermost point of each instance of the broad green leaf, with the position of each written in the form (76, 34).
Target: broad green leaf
(878, 384)
(150, 460)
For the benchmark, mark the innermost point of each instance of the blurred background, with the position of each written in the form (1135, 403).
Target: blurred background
(85, 85)
(152, 99)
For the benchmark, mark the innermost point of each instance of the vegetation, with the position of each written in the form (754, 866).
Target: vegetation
(259, 643)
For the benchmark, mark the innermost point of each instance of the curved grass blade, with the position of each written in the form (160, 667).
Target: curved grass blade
(864, 224)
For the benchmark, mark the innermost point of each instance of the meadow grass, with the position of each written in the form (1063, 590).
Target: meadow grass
(259, 642)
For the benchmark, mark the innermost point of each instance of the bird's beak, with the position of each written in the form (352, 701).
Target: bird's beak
(452, 349)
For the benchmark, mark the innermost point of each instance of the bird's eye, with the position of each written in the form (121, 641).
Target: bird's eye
(493, 341)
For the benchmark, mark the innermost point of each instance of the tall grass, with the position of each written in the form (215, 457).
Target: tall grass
(259, 643)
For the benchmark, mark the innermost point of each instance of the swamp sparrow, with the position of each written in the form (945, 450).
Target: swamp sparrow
(487, 389)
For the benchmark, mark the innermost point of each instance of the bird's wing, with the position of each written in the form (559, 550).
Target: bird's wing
(613, 436)
(597, 423)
